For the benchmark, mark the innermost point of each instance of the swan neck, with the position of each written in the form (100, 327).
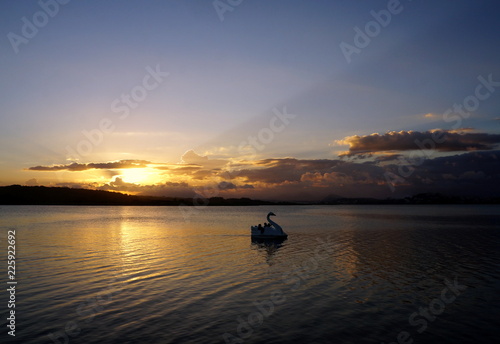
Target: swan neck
(272, 222)
(269, 218)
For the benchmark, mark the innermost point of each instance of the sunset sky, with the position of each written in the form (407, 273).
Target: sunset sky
(293, 100)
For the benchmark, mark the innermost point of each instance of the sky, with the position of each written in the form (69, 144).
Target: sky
(288, 100)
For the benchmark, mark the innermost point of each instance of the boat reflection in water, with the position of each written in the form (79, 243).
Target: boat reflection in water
(268, 242)
(268, 245)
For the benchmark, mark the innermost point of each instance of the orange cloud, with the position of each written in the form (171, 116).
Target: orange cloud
(83, 167)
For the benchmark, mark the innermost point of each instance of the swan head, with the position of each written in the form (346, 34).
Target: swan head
(271, 214)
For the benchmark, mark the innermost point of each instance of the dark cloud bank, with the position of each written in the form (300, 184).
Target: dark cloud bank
(388, 172)
(440, 140)
(467, 174)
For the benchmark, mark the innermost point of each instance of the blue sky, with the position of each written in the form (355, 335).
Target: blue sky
(226, 77)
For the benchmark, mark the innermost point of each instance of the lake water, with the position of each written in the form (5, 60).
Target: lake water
(346, 274)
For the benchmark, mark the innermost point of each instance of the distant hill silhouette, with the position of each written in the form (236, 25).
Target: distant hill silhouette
(422, 198)
(41, 195)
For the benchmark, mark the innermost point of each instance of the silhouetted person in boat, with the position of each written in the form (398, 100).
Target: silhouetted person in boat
(260, 228)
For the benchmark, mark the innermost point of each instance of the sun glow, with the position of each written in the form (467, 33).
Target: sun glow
(142, 176)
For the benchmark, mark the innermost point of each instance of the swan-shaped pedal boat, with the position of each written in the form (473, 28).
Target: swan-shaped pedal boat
(271, 231)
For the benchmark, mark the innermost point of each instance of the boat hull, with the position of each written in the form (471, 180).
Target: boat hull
(268, 232)
(259, 236)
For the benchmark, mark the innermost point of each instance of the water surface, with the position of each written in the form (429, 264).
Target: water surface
(346, 274)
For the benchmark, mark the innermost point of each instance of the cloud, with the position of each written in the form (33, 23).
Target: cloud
(168, 189)
(174, 184)
(193, 165)
(388, 157)
(180, 169)
(76, 167)
(473, 173)
(31, 182)
(227, 186)
(192, 158)
(119, 182)
(470, 173)
(440, 140)
(78, 185)
(289, 170)
(327, 179)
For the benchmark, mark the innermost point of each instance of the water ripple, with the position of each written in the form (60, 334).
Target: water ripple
(346, 274)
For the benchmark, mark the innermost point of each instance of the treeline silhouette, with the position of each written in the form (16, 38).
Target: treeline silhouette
(42, 195)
